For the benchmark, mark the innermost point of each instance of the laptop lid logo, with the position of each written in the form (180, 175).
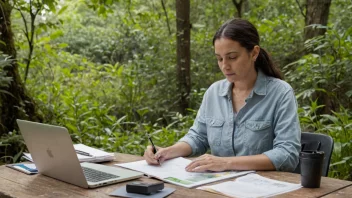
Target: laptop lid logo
(49, 153)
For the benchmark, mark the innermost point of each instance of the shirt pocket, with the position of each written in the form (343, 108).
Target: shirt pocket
(214, 131)
(257, 136)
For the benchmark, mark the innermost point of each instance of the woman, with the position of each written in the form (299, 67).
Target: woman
(249, 120)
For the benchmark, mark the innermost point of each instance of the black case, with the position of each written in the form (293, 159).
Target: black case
(144, 188)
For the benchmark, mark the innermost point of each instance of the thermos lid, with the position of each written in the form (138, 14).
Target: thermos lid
(311, 154)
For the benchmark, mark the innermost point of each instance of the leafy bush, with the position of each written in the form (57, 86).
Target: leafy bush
(11, 144)
(326, 69)
(324, 77)
(102, 105)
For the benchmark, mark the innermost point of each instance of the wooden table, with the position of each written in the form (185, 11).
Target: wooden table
(345, 192)
(16, 184)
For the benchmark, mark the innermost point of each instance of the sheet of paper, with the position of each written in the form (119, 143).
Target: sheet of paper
(27, 156)
(173, 171)
(98, 155)
(93, 151)
(252, 185)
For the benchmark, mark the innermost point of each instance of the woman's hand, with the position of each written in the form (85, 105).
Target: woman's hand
(208, 163)
(159, 157)
(180, 149)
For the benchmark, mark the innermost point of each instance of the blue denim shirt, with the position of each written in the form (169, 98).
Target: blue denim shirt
(267, 124)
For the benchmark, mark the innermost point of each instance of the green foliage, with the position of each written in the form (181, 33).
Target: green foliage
(326, 69)
(340, 128)
(11, 144)
(101, 105)
(280, 26)
(11, 147)
(5, 61)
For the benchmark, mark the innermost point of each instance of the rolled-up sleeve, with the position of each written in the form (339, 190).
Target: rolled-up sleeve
(287, 141)
(197, 134)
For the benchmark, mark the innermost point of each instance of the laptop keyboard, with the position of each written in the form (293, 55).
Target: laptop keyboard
(93, 175)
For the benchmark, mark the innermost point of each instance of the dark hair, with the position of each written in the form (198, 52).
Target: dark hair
(246, 34)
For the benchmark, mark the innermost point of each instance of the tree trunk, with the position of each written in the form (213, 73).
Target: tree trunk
(239, 7)
(17, 104)
(183, 52)
(317, 12)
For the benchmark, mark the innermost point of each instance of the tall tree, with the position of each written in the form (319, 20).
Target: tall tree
(317, 12)
(183, 52)
(15, 101)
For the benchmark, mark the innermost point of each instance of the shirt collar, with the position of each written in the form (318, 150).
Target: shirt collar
(259, 86)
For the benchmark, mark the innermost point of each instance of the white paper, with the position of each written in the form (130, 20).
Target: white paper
(98, 155)
(173, 171)
(252, 185)
(27, 156)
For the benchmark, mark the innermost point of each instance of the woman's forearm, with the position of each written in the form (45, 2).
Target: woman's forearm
(180, 149)
(254, 162)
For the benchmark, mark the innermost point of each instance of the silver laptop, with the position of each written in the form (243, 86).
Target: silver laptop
(53, 153)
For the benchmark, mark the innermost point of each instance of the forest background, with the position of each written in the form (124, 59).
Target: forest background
(114, 71)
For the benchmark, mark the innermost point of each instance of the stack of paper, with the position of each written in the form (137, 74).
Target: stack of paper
(96, 155)
(251, 185)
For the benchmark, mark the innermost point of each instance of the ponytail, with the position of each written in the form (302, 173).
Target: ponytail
(265, 63)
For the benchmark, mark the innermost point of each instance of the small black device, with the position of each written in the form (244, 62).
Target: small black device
(144, 188)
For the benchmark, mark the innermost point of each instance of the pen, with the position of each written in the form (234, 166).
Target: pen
(154, 148)
(83, 153)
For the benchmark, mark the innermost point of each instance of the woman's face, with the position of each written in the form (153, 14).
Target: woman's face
(235, 62)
